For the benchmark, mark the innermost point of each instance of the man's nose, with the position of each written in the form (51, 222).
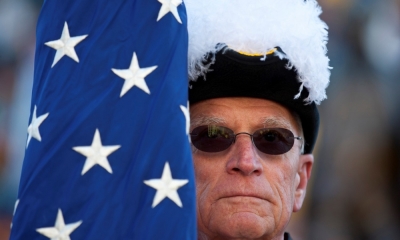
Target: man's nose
(244, 158)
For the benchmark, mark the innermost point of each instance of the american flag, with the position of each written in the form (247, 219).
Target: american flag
(107, 153)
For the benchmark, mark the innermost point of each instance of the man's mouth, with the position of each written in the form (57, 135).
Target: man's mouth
(243, 195)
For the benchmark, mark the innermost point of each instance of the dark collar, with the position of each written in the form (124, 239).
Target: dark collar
(287, 236)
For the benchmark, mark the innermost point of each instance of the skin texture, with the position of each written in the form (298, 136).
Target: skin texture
(243, 193)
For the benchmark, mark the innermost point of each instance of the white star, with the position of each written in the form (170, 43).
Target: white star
(15, 209)
(60, 231)
(166, 186)
(96, 153)
(134, 76)
(33, 128)
(169, 6)
(65, 45)
(15, 206)
(185, 111)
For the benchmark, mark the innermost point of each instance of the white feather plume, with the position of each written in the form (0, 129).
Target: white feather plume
(259, 25)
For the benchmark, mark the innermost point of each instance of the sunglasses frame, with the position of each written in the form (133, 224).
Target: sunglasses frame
(233, 135)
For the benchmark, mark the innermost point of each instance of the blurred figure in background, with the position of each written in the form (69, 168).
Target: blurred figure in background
(355, 192)
(356, 183)
(17, 41)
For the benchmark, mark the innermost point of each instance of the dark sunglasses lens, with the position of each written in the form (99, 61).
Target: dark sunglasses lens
(273, 141)
(212, 138)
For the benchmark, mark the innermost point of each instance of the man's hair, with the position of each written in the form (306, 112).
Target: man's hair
(299, 126)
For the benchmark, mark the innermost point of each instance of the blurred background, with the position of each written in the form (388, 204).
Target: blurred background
(354, 191)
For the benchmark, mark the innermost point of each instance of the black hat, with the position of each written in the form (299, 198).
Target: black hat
(271, 49)
(237, 75)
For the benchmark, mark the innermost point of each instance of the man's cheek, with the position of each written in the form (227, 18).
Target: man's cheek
(203, 191)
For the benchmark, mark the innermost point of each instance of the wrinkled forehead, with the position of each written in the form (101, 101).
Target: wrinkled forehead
(209, 119)
(239, 111)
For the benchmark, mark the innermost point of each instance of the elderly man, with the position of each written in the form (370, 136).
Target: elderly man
(257, 71)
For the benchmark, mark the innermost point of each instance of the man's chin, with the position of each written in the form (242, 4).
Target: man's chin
(245, 224)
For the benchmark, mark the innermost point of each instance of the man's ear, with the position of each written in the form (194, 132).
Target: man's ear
(306, 162)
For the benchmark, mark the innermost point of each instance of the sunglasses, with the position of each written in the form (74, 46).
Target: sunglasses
(273, 141)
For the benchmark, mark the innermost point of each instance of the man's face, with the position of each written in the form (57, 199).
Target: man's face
(242, 192)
